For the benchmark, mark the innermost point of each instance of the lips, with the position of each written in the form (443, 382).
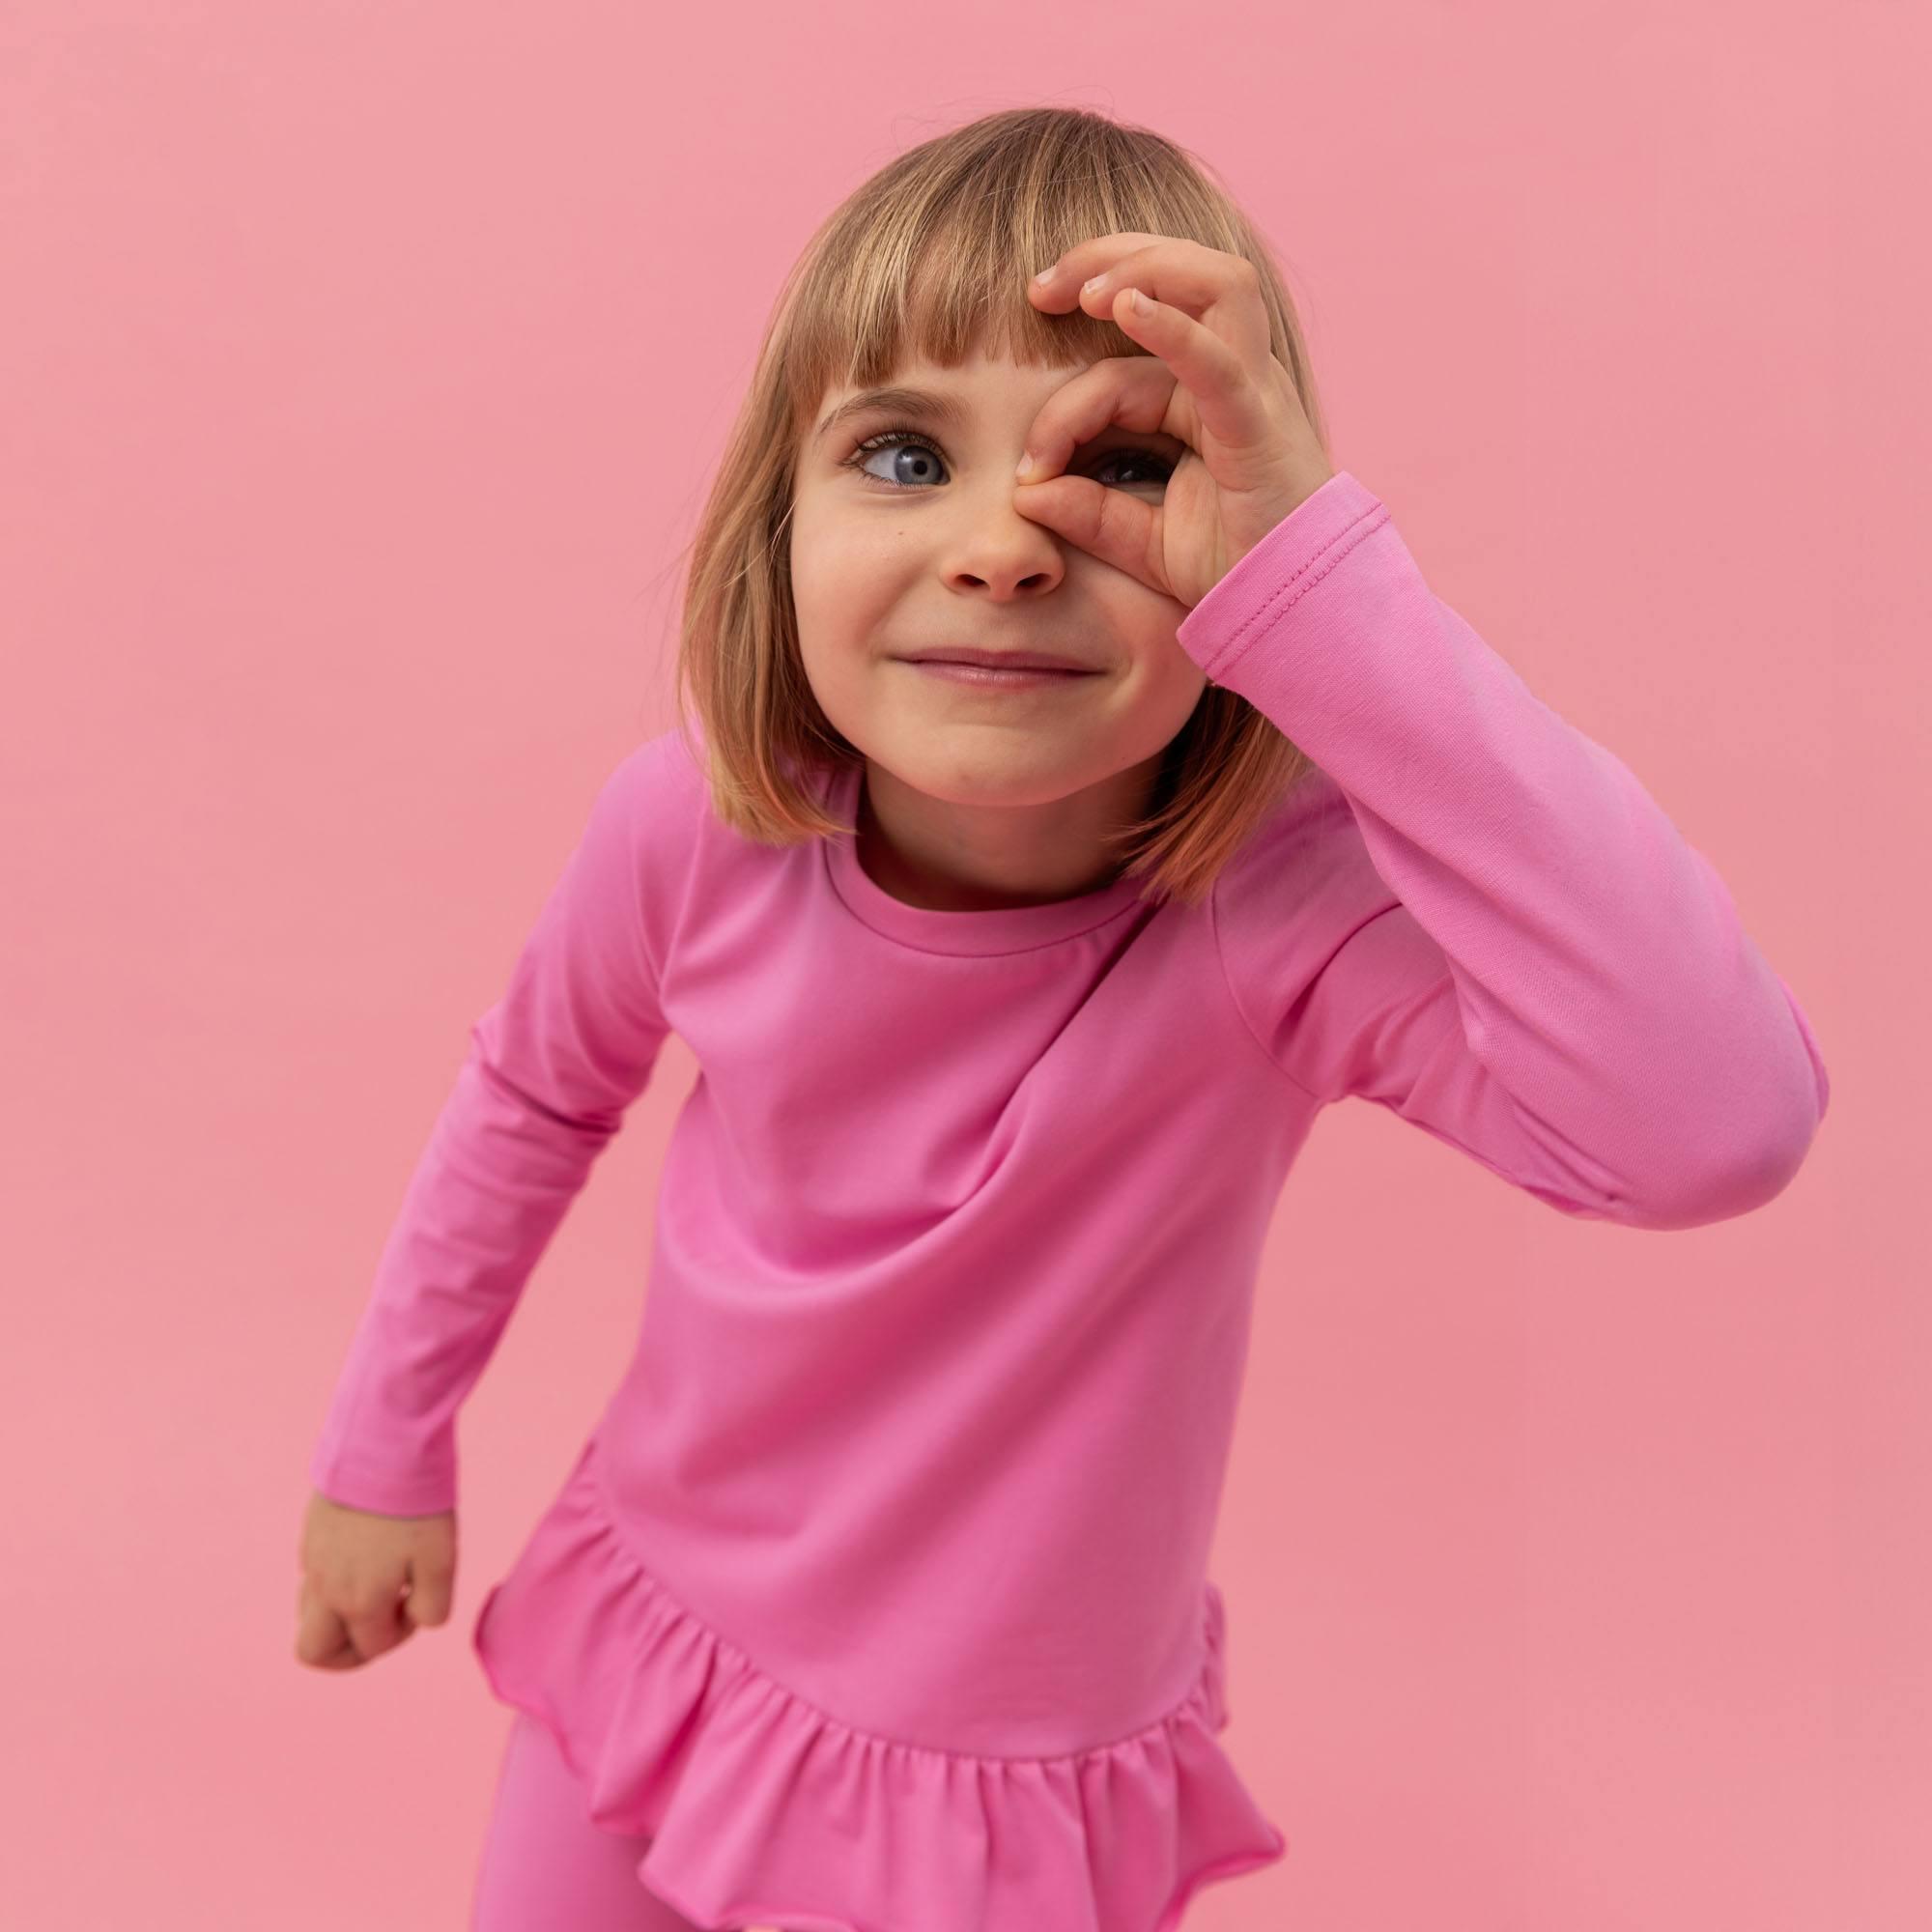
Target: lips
(996, 660)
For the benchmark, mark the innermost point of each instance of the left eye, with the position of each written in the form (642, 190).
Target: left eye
(905, 439)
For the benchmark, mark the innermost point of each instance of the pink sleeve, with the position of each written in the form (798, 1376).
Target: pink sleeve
(550, 1071)
(1510, 946)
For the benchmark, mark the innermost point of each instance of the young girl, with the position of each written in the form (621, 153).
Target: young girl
(876, 1598)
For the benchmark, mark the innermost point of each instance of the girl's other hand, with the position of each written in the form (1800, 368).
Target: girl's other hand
(369, 1581)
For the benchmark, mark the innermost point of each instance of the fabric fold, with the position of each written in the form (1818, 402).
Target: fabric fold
(761, 1808)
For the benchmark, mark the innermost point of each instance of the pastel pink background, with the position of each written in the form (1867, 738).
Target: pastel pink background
(364, 370)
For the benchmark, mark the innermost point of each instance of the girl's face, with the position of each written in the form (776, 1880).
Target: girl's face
(916, 543)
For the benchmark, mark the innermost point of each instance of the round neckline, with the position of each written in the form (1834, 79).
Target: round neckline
(997, 929)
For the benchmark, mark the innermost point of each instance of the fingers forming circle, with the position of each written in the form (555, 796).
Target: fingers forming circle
(1138, 392)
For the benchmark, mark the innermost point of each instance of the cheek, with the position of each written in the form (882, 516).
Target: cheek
(1160, 670)
(835, 571)
(835, 625)
(1164, 685)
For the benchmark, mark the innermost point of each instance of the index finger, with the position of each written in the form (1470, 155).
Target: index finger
(1088, 258)
(1219, 289)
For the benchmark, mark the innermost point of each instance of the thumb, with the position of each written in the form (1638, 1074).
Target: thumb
(1108, 524)
(427, 1600)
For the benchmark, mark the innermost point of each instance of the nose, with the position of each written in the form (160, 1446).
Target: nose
(997, 551)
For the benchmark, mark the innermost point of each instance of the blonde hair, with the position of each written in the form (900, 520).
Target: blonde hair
(929, 261)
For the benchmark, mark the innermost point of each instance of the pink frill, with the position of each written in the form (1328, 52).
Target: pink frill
(761, 1809)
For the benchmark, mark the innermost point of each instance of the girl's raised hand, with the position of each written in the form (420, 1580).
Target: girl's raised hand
(368, 1582)
(1210, 380)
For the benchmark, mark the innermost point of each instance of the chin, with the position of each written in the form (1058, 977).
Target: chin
(964, 782)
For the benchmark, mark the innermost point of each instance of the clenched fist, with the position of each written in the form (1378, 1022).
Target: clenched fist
(369, 1581)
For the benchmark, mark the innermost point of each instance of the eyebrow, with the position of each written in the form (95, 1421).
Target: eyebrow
(921, 405)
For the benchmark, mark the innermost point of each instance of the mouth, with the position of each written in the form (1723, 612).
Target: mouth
(996, 676)
(997, 670)
(972, 654)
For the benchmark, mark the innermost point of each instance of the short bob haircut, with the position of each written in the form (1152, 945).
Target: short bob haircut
(928, 260)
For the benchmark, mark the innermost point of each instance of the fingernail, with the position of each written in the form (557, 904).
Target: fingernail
(1046, 273)
(1026, 464)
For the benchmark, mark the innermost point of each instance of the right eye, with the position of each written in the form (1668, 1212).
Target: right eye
(893, 440)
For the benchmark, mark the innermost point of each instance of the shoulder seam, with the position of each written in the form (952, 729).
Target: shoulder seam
(1234, 998)
(640, 884)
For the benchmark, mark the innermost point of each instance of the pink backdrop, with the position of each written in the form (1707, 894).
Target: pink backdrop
(364, 368)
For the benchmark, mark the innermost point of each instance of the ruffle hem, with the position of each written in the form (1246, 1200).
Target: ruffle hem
(761, 1809)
